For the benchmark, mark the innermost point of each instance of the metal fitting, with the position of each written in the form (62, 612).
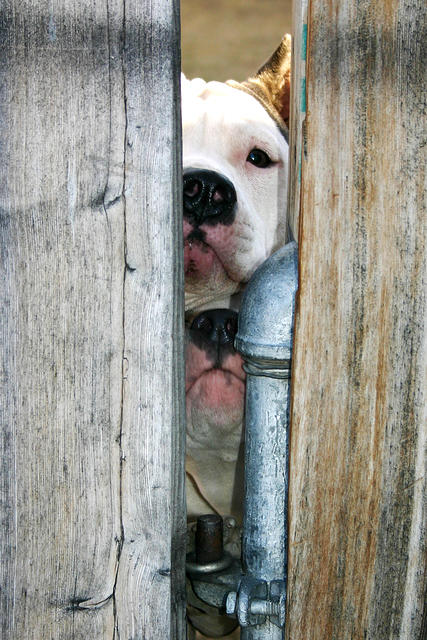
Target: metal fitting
(231, 603)
(255, 601)
(209, 538)
(209, 555)
(264, 339)
(266, 314)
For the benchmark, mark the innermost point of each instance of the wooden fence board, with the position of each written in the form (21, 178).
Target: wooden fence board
(67, 304)
(358, 452)
(153, 514)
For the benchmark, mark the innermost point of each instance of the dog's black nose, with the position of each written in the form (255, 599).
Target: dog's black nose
(209, 197)
(214, 329)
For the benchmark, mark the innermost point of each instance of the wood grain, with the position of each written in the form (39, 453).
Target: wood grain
(90, 323)
(151, 580)
(358, 452)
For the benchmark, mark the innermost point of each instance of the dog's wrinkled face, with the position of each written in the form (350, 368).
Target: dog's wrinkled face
(215, 381)
(215, 390)
(235, 189)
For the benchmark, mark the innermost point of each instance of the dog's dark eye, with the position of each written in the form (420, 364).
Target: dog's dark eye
(259, 158)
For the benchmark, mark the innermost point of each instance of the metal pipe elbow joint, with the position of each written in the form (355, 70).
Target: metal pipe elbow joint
(266, 314)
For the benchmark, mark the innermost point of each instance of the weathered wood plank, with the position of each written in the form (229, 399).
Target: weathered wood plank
(358, 452)
(150, 578)
(67, 305)
(62, 257)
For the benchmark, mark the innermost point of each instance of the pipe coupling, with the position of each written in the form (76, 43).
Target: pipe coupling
(266, 316)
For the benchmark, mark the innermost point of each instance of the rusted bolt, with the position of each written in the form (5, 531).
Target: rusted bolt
(209, 539)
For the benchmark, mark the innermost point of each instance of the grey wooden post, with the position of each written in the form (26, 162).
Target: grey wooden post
(92, 479)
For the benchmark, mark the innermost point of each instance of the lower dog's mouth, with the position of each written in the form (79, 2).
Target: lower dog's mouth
(229, 376)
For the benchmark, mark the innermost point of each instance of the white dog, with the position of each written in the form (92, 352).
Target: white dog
(235, 158)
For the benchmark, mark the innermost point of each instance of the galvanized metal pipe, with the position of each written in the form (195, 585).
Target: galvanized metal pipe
(265, 341)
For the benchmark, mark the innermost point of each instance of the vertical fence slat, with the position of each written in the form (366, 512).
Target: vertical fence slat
(152, 443)
(62, 262)
(90, 273)
(358, 451)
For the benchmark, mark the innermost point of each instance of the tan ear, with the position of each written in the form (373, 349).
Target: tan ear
(274, 78)
(271, 86)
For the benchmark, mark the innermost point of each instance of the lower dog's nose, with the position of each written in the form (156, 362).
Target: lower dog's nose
(209, 197)
(214, 328)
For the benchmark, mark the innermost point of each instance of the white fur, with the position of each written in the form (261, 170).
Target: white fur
(221, 125)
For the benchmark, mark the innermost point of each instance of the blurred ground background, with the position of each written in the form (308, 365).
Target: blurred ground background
(223, 39)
